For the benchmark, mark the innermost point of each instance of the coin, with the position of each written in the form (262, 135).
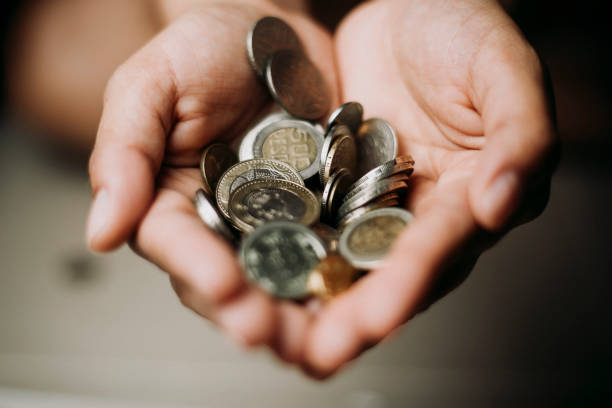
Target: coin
(349, 114)
(342, 155)
(332, 276)
(250, 170)
(356, 190)
(245, 150)
(328, 234)
(292, 141)
(376, 144)
(375, 205)
(297, 85)
(331, 136)
(208, 213)
(403, 164)
(267, 36)
(335, 190)
(365, 241)
(279, 256)
(261, 201)
(216, 159)
(377, 190)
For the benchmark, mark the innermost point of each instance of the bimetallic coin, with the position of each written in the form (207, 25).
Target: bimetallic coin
(245, 150)
(267, 36)
(379, 189)
(261, 201)
(402, 164)
(207, 212)
(292, 141)
(376, 144)
(216, 159)
(354, 191)
(297, 85)
(250, 170)
(342, 155)
(353, 215)
(335, 190)
(365, 241)
(332, 276)
(279, 257)
(349, 114)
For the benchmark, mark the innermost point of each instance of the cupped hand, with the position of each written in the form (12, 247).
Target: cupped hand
(190, 85)
(467, 95)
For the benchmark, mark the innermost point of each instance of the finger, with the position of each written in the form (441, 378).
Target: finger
(128, 151)
(390, 295)
(173, 237)
(293, 323)
(509, 86)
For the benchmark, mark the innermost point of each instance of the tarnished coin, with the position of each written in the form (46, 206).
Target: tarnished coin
(342, 155)
(328, 234)
(349, 114)
(267, 36)
(261, 201)
(375, 205)
(250, 170)
(332, 276)
(335, 190)
(402, 164)
(331, 136)
(376, 144)
(279, 257)
(365, 241)
(355, 191)
(292, 141)
(208, 213)
(377, 190)
(216, 159)
(297, 85)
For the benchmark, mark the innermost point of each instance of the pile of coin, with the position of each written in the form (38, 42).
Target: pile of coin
(309, 207)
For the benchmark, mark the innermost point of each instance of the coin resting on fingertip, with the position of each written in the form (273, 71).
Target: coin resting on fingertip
(314, 206)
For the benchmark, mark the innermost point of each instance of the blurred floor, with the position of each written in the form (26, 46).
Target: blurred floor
(530, 327)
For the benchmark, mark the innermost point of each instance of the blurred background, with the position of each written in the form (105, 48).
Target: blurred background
(530, 327)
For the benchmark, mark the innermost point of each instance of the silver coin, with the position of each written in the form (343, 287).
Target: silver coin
(349, 114)
(335, 190)
(331, 136)
(353, 215)
(403, 164)
(376, 144)
(208, 213)
(355, 191)
(365, 241)
(292, 141)
(250, 170)
(261, 201)
(379, 189)
(245, 150)
(297, 85)
(342, 155)
(267, 36)
(279, 256)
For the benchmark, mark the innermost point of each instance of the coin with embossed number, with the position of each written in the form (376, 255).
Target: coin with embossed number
(250, 170)
(332, 276)
(293, 141)
(216, 159)
(279, 257)
(245, 150)
(376, 143)
(349, 114)
(208, 213)
(297, 85)
(267, 36)
(261, 201)
(365, 241)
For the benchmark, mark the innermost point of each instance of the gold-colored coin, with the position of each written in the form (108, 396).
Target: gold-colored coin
(332, 276)
(291, 145)
(216, 159)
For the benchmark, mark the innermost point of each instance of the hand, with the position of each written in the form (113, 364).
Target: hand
(189, 86)
(467, 95)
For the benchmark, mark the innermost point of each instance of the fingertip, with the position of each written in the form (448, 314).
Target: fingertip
(293, 323)
(494, 202)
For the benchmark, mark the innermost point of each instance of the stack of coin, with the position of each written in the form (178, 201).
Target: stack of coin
(311, 203)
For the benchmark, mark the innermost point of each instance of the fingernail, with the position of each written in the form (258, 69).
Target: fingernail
(98, 216)
(498, 199)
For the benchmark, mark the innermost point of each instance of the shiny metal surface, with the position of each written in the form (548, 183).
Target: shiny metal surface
(376, 144)
(213, 220)
(349, 114)
(379, 189)
(332, 276)
(336, 188)
(216, 159)
(342, 155)
(297, 85)
(279, 257)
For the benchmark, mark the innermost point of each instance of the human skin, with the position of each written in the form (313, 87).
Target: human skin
(463, 88)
